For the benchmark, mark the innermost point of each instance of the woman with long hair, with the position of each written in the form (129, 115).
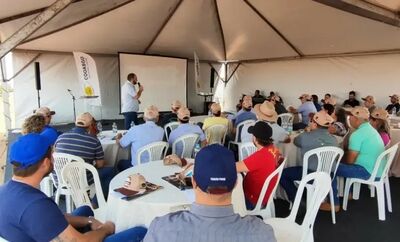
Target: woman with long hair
(379, 121)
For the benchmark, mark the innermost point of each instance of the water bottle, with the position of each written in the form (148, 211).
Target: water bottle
(114, 128)
(197, 148)
(394, 111)
(290, 127)
(132, 124)
(285, 126)
(99, 127)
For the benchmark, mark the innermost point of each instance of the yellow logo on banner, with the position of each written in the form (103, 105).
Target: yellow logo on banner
(89, 90)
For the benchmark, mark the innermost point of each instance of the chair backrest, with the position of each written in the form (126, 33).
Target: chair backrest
(321, 185)
(386, 156)
(74, 175)
(188, 143)
(328, 159)
(155, 151)
(277, 173)
(238, 202)
(216, 133)
(286, 119)
(60, 160)
(246, 149)
(240, 126)
(169, 127)
(3, 240)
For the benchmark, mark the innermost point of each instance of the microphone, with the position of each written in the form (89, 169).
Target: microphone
(69, 90)
(138, 84)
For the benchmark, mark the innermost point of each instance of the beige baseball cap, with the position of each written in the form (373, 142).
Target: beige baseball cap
(135, 182)
(266, 111)
(84, 120)
(305, 96)
(183, 113)
(151, 112)
(369, 99)
(176, 104)
(380, 113)
(323, 119)
(45, 111)
(360, 112)
(215, 108)
(395, 96)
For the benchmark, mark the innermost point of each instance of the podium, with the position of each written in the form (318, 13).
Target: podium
(207, 100)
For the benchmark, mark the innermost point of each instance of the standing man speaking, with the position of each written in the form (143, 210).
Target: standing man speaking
(130, 100)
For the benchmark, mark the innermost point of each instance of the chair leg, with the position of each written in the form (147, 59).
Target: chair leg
(332, 201)
(57, 197)
(68, 203)
(388, 196)
(272, 209)
(356, 191)
(372, 190)
(381, 201)
(349, 181)
(340, 186)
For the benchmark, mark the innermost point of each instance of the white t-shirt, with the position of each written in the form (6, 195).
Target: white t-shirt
(279, 134)
(129, 104)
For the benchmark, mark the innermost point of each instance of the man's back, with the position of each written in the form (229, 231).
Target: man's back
(246, 115)
(305, 109)
(208, 224)
(26, 214)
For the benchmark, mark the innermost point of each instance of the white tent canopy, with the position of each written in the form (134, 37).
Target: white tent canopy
(229, 31)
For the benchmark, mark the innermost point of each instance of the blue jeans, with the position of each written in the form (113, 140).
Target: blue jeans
(123, 165)
(129, 117)
(135, 234)
(106, 174)
(348, 171)
(289, 175)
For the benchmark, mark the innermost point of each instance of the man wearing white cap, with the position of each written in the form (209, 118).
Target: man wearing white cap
(49, 132)
(394, 104)
(185, 128)
(139, 136)
(171, 117)
(369, 102)
(304, 109)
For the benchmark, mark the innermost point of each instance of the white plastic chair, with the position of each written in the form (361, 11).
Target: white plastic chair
(286, 119)
(3, 240)
(239, 129)
(381, 183)
(169, 127)
(286, 229)
(328, 161)
(46, 186)
(246, 149)
(269, 210)
(60, 160)
(188, 143)
(155, 151)
(74, 175)
(217, 133)
(238, 200)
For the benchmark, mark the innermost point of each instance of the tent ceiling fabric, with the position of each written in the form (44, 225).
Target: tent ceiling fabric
(311, 27)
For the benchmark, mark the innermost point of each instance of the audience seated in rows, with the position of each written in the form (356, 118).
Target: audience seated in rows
(394, 104)
(365, 145)
(50, 132)
(306, 107)
(211, 217)
(80, 143)
(184, 128)
(369, 102)
(378, 120)
(171, 117)
(352, 101)
(259, 165)
(33, 124)
(139, 136)
(317, 137)
(266, 113)
(27, 214)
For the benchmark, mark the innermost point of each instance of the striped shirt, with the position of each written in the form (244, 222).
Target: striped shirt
(80, 143)
(208, 224)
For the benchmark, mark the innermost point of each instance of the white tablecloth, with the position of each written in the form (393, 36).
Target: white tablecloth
(142, 210)
(395, 138)
(112, 151)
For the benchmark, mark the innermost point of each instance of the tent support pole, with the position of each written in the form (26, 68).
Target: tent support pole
(221, 30)
(234, 70)
(23, 68)
(219, 77)
(32, 26)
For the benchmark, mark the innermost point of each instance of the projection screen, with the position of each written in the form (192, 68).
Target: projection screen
(164, 79)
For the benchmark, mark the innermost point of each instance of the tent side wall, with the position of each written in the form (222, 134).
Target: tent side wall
(376, 75)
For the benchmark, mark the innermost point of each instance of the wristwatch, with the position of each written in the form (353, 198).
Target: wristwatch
(90, 221)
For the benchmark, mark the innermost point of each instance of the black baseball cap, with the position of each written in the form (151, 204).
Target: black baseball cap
(261, 130)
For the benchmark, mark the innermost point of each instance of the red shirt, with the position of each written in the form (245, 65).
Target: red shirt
(260, 165)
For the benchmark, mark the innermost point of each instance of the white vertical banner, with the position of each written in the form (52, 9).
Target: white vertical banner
(197, 72)
(89, 80)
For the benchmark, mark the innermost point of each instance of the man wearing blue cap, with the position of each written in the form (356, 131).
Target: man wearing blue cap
(211, 217)
(27, 214)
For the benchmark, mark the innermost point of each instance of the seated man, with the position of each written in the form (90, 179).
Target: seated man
(365, 145)
(318, 137)
(48, 131)
(33, 124)
(211, 217)
(80, 143)
(394, 104)
(247, 112)
(266, 113)
(279, 108)
(27, 214)
(259, 165)
(352, 101)
(171, 117)
(306, 108)
(216, 118)
(139, 136)
(369, 102)
(185, 128)
(258, 98)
